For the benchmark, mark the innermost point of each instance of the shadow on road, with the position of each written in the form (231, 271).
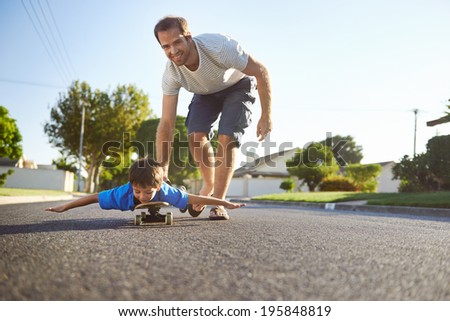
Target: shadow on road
(88, 225)
(64, 225)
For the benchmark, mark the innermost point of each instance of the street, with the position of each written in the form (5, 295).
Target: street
(262, 253)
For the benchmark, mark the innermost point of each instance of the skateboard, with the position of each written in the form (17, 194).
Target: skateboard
(153, 215)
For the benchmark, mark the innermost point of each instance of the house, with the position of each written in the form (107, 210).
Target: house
(264, 175)
(386, 183)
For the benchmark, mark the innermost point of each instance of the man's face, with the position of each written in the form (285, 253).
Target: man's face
(144, 194)
(175, 45)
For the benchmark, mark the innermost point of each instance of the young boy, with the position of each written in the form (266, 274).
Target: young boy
(145, 185)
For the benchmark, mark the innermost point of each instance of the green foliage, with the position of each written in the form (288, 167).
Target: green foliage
(312, 164)
(438, 154)
(182, 165)
(350, 152)
(337, 184)
(287, 185)
(65, 164)
(10, 137)
(414, 174)
(4, 176)
(364, 177)
(111, 121)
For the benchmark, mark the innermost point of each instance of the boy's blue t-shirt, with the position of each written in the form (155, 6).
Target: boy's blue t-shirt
(122, 197)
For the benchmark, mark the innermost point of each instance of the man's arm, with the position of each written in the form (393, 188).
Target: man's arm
(86, 200)
(259, 71)
(164, 135)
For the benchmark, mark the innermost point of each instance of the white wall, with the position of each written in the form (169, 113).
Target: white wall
(39, 179)
(249, 187)
(385, 182)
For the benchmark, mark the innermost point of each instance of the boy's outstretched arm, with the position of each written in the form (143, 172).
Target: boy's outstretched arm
(85, 200)
(207, 200)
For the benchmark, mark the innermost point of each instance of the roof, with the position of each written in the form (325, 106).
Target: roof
(252, 169)
(442, 120)
(5, 161)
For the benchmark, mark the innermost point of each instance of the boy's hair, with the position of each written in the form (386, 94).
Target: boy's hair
(146, 172)
(170, 22)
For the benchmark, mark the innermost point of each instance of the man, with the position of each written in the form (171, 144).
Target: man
(220, 74)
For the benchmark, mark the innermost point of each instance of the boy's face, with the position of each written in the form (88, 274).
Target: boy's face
(144, 194)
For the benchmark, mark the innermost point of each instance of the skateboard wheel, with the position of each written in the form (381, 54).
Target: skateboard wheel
(138, 220)
(143, 215)
(169, 218)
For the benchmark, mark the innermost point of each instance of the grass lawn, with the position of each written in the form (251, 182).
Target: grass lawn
(437, 199)
(29, 192)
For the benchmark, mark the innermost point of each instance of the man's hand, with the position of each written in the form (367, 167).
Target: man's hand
(263, 128)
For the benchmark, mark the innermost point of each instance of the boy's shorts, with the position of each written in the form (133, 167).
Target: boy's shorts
(233, 103)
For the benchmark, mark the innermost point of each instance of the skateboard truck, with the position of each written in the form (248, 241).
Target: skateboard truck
(153, 215)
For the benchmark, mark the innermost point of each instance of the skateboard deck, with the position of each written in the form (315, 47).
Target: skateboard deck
(153, 214)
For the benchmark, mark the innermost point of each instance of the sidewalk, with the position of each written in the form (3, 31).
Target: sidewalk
(33, 199)
(360, 206)
(343, 206)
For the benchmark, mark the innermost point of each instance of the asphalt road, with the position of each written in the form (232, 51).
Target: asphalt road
(262, 253)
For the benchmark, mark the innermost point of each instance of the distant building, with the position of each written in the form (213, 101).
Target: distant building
(27, 174)
(264, 175)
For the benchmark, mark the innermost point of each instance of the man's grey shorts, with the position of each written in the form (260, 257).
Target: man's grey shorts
(233, 103)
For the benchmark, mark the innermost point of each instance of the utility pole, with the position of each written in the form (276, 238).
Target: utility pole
(80, 156)
(415, 129)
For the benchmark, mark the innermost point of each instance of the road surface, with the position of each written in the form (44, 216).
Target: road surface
(262, 253)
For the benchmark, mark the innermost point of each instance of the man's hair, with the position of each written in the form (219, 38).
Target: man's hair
(146, 172)
(170, 22)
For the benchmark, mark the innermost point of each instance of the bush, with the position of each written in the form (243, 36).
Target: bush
(438, 156)
(364, 176)
(287, 185)
(4, 176)
(337, 184)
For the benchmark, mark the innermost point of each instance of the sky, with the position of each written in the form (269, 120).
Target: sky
(348, 67)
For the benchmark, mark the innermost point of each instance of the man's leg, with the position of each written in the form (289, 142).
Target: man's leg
(224, 169)
(203, 154)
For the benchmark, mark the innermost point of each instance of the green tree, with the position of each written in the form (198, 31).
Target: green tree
(109, 118)
(312, 164)
(182, 165)
(10, 137)
(414, 174)
(66, 163)
(345, 147)
(438, 156)
(10, 140)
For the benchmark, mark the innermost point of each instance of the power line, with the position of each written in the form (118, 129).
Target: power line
(60, 59)
(43, 43)
(29, 83)
(60, 37)
(50, 44)
(55, 42)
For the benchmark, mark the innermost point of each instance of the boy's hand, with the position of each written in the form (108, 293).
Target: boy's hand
(58, 209)
(232, 206)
